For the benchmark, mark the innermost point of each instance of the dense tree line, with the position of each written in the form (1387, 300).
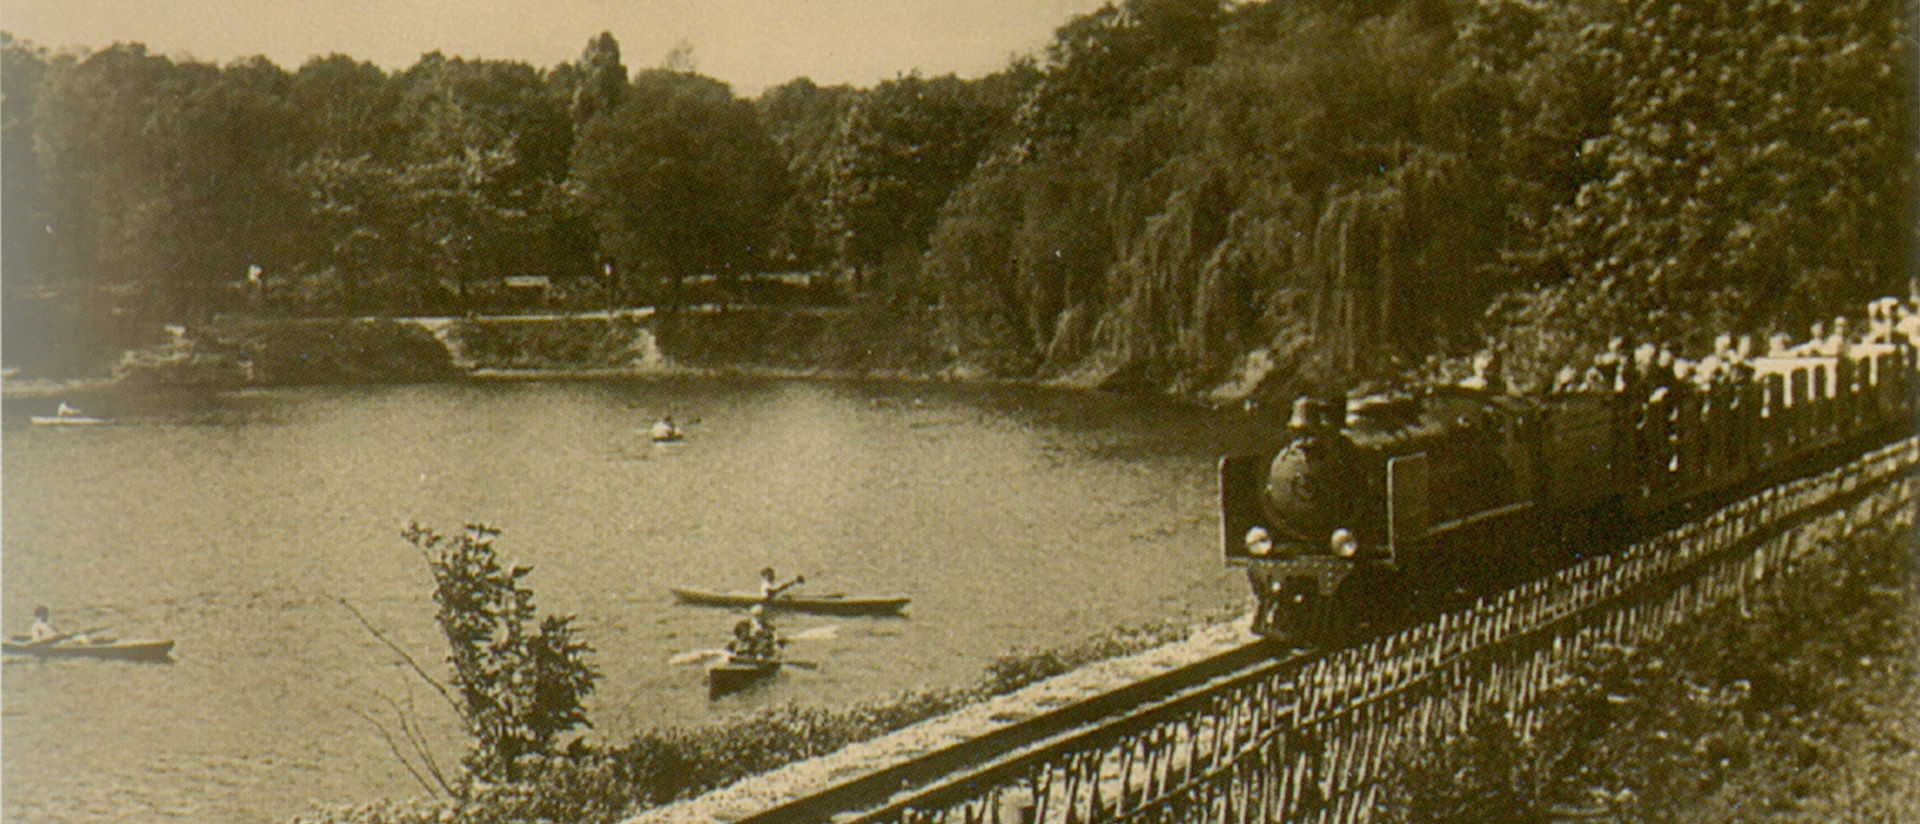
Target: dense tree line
(1355, 186)
(1351, 186)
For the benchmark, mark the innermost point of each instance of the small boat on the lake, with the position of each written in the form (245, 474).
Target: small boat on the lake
(67, 416)
(732, 674)
(67, 420)
(112, 648)
(829, 604)
(665, 430)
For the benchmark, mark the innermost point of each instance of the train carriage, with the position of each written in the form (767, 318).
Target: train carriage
(1383, 507)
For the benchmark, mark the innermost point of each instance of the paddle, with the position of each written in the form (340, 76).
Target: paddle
(781, 590)
(693, 656)
(47, 642)
(825, 633)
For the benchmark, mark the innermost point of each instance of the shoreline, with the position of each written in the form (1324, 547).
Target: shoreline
(45, 389)
(813, 343)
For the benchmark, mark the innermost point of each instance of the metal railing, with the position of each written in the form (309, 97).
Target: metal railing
(1307, 738)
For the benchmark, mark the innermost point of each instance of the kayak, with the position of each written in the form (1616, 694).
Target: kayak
(818, 604)
(67, 420)
(130, 650)
(667, 438)
(734, 674)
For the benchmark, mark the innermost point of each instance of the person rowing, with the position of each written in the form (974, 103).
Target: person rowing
(66, 411)
(770, 590)
(754, 638)
(664, 429)
(44, 632)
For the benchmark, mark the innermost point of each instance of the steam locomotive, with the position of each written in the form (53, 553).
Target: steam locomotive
(1376, 509)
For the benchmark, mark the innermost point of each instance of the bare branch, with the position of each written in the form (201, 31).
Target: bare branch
(393, 747)
(410, 729)
(438, 687)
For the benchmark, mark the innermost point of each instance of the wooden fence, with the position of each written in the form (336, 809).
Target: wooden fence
(1306, 738)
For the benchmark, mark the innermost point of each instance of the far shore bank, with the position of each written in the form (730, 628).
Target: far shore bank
(823, 344)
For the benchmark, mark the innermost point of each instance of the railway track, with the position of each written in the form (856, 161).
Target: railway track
(926, 779)
(1188, 727)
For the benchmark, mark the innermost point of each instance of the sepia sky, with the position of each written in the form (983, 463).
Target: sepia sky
(749, 43)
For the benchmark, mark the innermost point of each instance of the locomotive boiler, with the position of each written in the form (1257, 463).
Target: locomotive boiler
(1373, 510)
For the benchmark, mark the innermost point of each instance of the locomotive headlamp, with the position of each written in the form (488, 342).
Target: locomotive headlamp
(1343, 543)
(1259, 545)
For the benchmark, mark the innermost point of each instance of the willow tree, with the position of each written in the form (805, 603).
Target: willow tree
(1398, 265)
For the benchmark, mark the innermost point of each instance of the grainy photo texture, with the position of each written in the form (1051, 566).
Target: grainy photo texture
(805, 411)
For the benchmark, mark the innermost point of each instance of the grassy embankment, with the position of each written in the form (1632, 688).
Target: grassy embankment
(1802, 705)
(604, 783)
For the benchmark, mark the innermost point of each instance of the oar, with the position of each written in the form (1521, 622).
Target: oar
(805, 665)
(825, 633)
(693, 656)
(47, 642)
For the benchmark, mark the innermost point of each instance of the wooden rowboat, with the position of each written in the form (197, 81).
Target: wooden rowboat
(732, 674)
(818, 604)
(129, 650)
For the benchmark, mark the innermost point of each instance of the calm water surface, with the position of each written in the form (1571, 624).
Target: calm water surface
(236, 525)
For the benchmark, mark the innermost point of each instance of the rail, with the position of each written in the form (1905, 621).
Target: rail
(874, 787)
(1245, 736)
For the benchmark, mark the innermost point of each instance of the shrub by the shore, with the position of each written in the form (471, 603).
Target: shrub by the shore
(605, 783)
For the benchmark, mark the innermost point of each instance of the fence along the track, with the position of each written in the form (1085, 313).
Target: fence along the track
(1305, 739)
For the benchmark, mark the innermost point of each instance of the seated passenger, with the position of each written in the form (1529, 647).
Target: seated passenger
(1597, 380)
(1638, 378)
(1779, 345)
(1815, 342)
(1879, 321)
(1566, 380)
(1665, 368)
(1837, 342)
(1486, 374)
(1709, 371)
(1906, 326)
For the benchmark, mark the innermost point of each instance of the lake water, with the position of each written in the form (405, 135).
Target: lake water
(237, 524)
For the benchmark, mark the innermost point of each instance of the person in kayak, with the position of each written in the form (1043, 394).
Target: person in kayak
(741, 647)
(753, 637)
(664, 429)
(770, 590)
(43, 628)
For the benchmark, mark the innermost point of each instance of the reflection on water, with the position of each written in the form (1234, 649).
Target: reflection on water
(236, 526)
